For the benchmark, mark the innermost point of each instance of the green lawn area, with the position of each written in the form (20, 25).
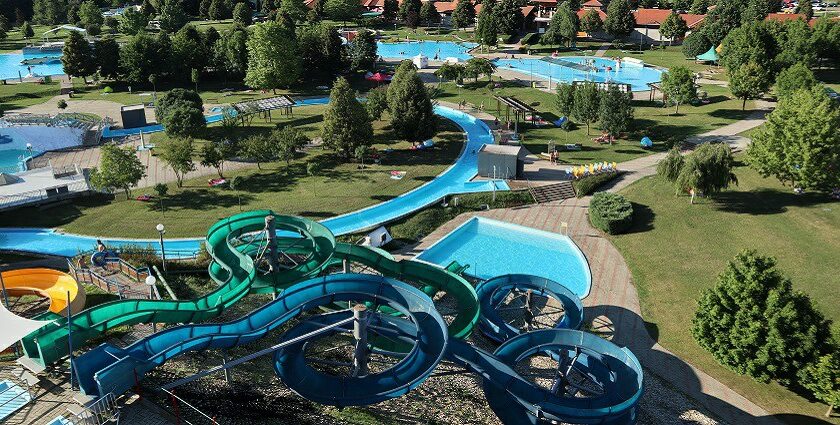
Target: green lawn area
(16, 96)
(651, 119)
(676, 249)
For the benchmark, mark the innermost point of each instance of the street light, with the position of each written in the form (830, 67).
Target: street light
(150, 281)
(161, 230)
(29, 148)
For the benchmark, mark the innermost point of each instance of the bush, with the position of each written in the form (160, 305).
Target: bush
(61, 104)
(108, 90)
(531, 38)
(586, 185)
(610, 212)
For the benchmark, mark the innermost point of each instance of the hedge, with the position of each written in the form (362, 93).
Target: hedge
(610, 212)
(586, 185)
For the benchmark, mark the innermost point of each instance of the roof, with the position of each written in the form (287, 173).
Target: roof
(655, 17)
(516, 104)
(601, 13)
(783, 17)
(260, 105)
(502, 149)
(139, 107)
(527, 10)
(593, 3)
(445, 6)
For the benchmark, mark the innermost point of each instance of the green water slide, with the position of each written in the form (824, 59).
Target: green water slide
(233, 270)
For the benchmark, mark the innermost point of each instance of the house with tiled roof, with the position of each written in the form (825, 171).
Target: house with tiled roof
(648, 22)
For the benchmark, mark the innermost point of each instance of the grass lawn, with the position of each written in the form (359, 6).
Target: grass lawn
(16, 96)
(675, 250)
(651, 119)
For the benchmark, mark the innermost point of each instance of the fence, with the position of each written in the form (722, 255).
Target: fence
(101, 412)
(75, 186)
(85, 275)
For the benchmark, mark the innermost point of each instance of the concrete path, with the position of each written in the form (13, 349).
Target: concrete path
(602, 50)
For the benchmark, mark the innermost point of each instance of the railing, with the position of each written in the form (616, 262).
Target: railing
(85, 275)
(191, 410)
(139, 274)
(101, 412)
(75, 185)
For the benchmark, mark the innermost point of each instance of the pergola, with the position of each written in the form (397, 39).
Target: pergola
(264, 106)
(518, 107)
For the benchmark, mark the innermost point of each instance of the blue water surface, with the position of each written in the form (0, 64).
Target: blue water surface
(431, 49)
(637, 76)
(10, 66)
(494, 248)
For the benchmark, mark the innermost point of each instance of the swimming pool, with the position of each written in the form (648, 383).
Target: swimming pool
(441, 49)
(494, 248)
(637, 76)
(14, 138)
(10, 66)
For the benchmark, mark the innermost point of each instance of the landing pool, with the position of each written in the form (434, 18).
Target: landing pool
(579, 68)
(11, 68)
(431, 49)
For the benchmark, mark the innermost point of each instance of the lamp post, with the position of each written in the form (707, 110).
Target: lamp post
(161, 230)
(150, 281)
(29, 149)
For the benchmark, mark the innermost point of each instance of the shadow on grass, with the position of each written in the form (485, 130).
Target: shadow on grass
(733, 114)
(764, 201)
(199, 199)
(643, 218)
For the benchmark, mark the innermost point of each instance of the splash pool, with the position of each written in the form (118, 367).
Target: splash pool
(441, 49)
(494, 248)
(579, 68)
(10, 66)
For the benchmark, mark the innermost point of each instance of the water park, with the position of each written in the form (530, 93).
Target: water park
(448, 212)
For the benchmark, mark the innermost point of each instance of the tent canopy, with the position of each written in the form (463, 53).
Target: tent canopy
(710, 56)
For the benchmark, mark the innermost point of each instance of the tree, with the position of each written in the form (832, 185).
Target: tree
(678, 85)
(450, 71)
(754, 323)
(565, 99)
(795, 43)
(139, 58)
(211, 156)
(752, 42)
(794, 78)
(218, 10)
(61, 104)
(487, 29)
(294, 9)
(287, 141)
(242, 14)
(749, 82)
(725, 17)
(363, 51)
(673, 27)
(429, 14)
(615, 111)
(699, 7)
(376, 102)
(587, 99)
(321, 51)
(183, 121)
(707, 170)
(464, 14)
(805, 9)
(696, 44)
(476, 67)
(620, 21)
(49, 12)
(346, 122)
(389, 10)
(91, 17)
(343, 10)
(107, 57)
(258, 148)
(26, 30)
(132, 22)
(670, 167)
(175, 98)
(76, 56)
(409, 12)
(412, 115)
(756, 10)
(177, 153)
(273, 59)
(822, 378)
(234, 52)
(508, 16)
(800, 143)
(118, 168)
(172, 16)
(563, 27)
(591, 22)
(147, 9)
(189, 52)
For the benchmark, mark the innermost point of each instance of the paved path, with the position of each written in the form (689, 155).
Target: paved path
(602, 50)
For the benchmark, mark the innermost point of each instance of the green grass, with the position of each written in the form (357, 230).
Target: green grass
(651, 120)
(675, 250)
(17, 96)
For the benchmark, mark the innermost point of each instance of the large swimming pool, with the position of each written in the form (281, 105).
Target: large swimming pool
(494, 248)
(580, 68)
(13, 141)
(10, 66)
(432, 49)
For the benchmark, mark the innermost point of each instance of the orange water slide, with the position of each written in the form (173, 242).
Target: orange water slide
(49, 283)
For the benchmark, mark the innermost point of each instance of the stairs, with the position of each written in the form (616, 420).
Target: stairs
(553, 192)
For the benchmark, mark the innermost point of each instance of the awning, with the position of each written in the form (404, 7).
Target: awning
(710, 56)
(16, 327)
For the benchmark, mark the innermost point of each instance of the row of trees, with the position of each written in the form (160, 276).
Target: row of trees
(586, 103)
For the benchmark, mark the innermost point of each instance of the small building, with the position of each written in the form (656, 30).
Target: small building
(501, 162)
(133, 116)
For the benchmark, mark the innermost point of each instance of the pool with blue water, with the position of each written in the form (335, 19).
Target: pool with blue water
(494, 248)
(11, 67)
(599, 70)
(431, 49)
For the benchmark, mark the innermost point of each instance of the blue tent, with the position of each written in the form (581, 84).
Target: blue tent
(646, 142)
(710, 56)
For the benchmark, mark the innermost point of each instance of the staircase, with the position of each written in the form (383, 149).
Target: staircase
(553, 192)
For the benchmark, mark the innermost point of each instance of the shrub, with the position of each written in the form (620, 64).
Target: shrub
(610, 212)
(161, 189)
(61, 104)
(586, 185)
(531, 38)
(107, 89)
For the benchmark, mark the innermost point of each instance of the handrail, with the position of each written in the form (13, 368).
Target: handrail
(175, 397)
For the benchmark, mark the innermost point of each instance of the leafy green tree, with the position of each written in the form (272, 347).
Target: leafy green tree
(287, 142)
(175, 98)
(49, 12)
(696, 44)
(699, 7)
(322, 53)
(508, 16)
(212, 156)
(91, 17)
(112, 23)
(804, 8)
(295, 9)
(273, 59)
(188, 52)
(563, 27)
(242, 14)
(487, 28)
(754, 323)
(172, 16)
(347, 123)
(363, 51)
(258, 148)
(177, 153)
(794, 78)
(826, 38)
(476, 67)
(464, 14)
(620, 21)
(673, 27)
(591, 22)
(204, 9)
(707, 170)
(343, 10)
(412, 114)
(133, 22)
(800, 143)
(822, 378)
(678, 85)
(429, 14)
(139, 58)
(749, 82)
(233, 51)
(450, 71)
(61, 104)
(587, 99)
(376, 102)
(218, 10)
(670, 167)
(107, 56)
(161, 189)
(147, 9)
(565, 99)
(725, 17)
(119, 168)
(183, 121)
(795, 43)
(757, 10)
(76, 56)
(409, 12)
(389, 10)
(26, 30)
(615, 111)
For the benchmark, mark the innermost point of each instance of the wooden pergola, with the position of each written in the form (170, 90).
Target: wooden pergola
(264, 106)
(519, 108)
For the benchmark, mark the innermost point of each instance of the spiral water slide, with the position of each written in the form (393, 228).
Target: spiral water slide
(594, 382)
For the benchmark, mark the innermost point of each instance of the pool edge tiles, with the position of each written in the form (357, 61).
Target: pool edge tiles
(581, 289)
